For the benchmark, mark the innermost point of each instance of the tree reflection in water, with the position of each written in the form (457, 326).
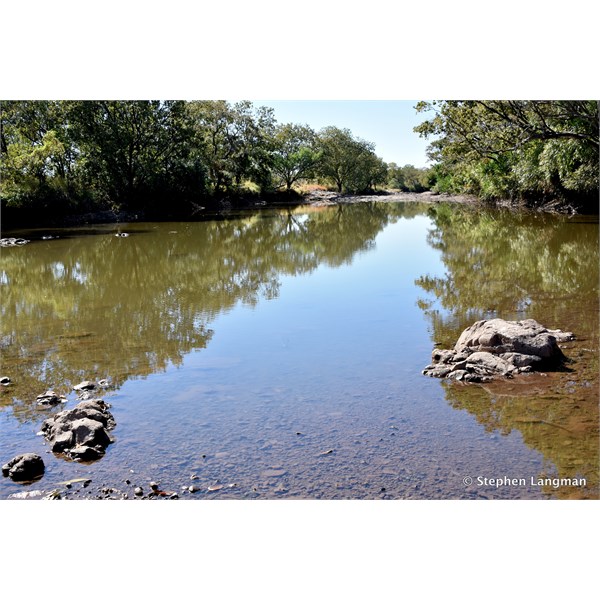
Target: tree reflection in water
(97, 305)
(514, 266)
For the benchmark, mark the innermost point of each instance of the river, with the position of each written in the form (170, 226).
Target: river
(278, 353)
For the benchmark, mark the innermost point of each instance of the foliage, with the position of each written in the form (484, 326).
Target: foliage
(531, 151)
(234, 141)
(38, 157)
(133, 150)
(295, 154)
(349, 162)
(409, 179)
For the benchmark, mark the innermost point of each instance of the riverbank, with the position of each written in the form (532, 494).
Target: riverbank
(224, 206)
(15, 221)
(325, 198)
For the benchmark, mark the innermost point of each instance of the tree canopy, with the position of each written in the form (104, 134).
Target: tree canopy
(533, 151)
(165, 157)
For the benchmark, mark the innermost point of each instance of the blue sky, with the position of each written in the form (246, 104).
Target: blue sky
(387, 123)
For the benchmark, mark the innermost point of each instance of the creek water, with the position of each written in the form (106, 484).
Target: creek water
(278, 354)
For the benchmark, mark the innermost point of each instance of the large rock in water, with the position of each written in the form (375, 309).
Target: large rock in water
(82, 432)
(25, 467)
(488, 349)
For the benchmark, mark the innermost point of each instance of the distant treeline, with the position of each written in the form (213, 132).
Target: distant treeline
(533, 152)
(168, 157)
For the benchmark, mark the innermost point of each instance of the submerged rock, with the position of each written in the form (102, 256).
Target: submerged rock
(82, 432)
(25, 467)
(499, 348)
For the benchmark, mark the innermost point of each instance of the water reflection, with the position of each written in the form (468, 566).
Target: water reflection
(511, 265)
(345, 371)
(524, 266)
(97, 306)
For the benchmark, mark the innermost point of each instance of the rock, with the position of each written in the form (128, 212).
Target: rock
(86, 453)
(25, 467)
(50, 398)
(84, 385)
(138, 491)
(6, 242)
(82, 432)
(499, 348)
(5, 381)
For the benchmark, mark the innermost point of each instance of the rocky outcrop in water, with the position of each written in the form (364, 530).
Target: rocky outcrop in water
(25, 467)
(50, 398)
(499, 348)
(80, 433)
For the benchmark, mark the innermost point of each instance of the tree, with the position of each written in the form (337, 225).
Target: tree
(370, 171)
(131, 147)
(344, 159)
(409, 178)
(234, 140)
(38, 156)
(516, 149)
(395, 177)
(295, 154)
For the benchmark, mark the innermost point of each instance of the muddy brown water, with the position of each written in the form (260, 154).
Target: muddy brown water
(278, 354)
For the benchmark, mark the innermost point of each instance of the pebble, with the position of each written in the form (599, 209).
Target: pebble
(153, 486)
(138, 491)
(193, 489)
(4, 380)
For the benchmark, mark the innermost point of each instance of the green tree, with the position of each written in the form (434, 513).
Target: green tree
(345, 160)
(522, 150)
(409, 178)
(370, 171)
(234, 140)
(37, 153)
(395, 176)
(131, 149)
(295, 154)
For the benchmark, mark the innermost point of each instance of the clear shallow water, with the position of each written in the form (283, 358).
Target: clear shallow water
(279, 354)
